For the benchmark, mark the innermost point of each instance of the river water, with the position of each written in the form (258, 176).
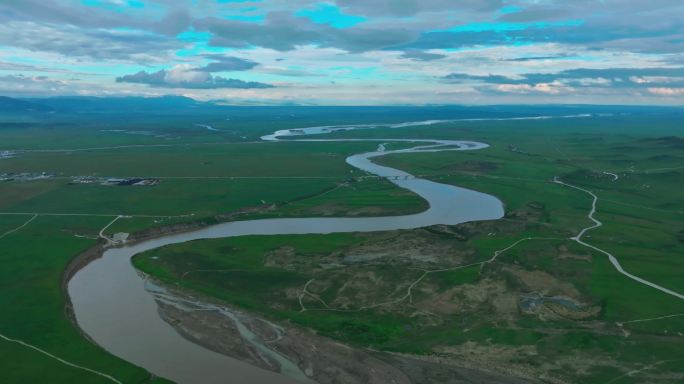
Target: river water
(113, 307)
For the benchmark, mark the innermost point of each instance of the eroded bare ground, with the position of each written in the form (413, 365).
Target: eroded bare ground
(441, 284)
(319, 358)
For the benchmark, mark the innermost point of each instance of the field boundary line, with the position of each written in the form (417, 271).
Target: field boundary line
(650, 319)
(11, 231)
(65, 362)
(95, 215)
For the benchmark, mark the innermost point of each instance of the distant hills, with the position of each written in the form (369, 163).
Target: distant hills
(87, 105)
(175, 105)
(10, 105)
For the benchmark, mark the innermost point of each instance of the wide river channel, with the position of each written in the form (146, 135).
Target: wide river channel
(113, 307)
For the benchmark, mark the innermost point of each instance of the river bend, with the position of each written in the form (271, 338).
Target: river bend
(113, 307)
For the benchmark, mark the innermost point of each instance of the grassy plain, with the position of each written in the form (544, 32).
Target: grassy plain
(200, 174)
(203, 175)
(475, 314)
(33, 303)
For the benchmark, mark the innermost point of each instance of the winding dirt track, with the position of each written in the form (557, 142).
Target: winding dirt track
(112, 306)
(613, 260)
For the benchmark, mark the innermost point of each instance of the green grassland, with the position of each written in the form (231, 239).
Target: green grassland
(202, 180)
(642, 217)
(33, 261)
(201, 174)
(197, 160)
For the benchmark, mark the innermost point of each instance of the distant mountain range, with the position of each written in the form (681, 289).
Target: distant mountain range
(174, 105)
(78, 104)
(10, 105)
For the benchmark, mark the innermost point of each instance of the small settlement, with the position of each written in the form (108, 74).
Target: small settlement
(25, 176)
(111, 181)
(6, 154)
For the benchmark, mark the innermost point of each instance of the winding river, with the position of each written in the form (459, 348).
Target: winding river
(114, 308)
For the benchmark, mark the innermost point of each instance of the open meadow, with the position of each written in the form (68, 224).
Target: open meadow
(518, 296)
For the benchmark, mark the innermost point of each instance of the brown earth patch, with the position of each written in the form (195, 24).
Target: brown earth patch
(543, 282)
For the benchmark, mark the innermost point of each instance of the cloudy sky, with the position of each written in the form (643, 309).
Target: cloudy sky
(347, 52)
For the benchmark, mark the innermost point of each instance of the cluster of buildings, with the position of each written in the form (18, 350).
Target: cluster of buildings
(135, 181)
(6, 154)
(25, 176)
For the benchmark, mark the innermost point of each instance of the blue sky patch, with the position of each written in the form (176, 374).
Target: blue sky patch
(326, 13)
